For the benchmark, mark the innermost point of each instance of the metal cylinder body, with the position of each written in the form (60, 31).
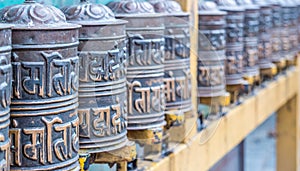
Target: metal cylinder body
(251, 32)
(44, 123)
(145, 72)
(177, 78)
(293, 31)
(234, 42)
(276, 32)
(211, 51)
(102, 87)
(5, 88)
(265, 35)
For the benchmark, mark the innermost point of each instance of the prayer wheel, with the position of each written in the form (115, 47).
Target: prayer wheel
(267, 68)
(5, 88)
(44, 129)
(286, 24)
(177, 78)
(293, 32)
(211, 54)
(102, 80)
(251, 32)
(276, 31)
(234, 66)
(145, 71)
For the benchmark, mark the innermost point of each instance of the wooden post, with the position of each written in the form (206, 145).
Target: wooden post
(191, 6)
(288, 129)
(288, 136)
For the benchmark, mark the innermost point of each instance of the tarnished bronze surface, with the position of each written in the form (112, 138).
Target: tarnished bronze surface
(298, 9)
(145, 72)
(277, 57)
(44, 123)
(234, 41)
(293, 31)
(177, 77)
(5, 95)
(265, 35)
(287, 44)
(211, 51)
(102, 87)
(251, 32)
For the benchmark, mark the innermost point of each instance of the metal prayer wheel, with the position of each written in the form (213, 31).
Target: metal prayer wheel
(285, 32)
(44, 122)
(298, 7)
(251, 33)
(5, 88)
(276, 32)
(177, 78)
(102, 88)
(145, 72)
(293, 31)
(211, 53)
(234, 47)
(267, 68)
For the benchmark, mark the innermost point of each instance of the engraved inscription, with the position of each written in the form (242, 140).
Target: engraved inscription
(5, 84)
(52, 77)
(210, 76)
(177, 47)
(177, 87)
(234, 63)
(149, 98)
(5, 148)
(102, 121)
(144, 52)
(102, 67)
(212, 40)
(264, 49)
(54, 141)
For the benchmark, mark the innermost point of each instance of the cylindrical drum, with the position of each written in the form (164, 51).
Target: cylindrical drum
(293, 31)
(276, 30)
(234, 41)
(102, 79)
(298, 7)
(265, 43)
(5, 88)
(44, 122)
(177, 77)
(286, 24)
(145, 72)
(211, 51)
(251, 32)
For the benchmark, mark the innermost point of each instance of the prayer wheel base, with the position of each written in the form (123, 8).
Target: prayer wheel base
(119, 156)
(234, 91)
(281, 65)
(251, 82)
(268, 73)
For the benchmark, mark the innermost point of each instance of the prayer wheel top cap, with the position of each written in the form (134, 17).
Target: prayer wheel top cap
(295, 2)
(130, 8)
(262, 3)
(273, 2)
(209, 8)
(86, 13)
(229, 5)
(286, 3)
(167, 7)
(247, 4)
(34, 16)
